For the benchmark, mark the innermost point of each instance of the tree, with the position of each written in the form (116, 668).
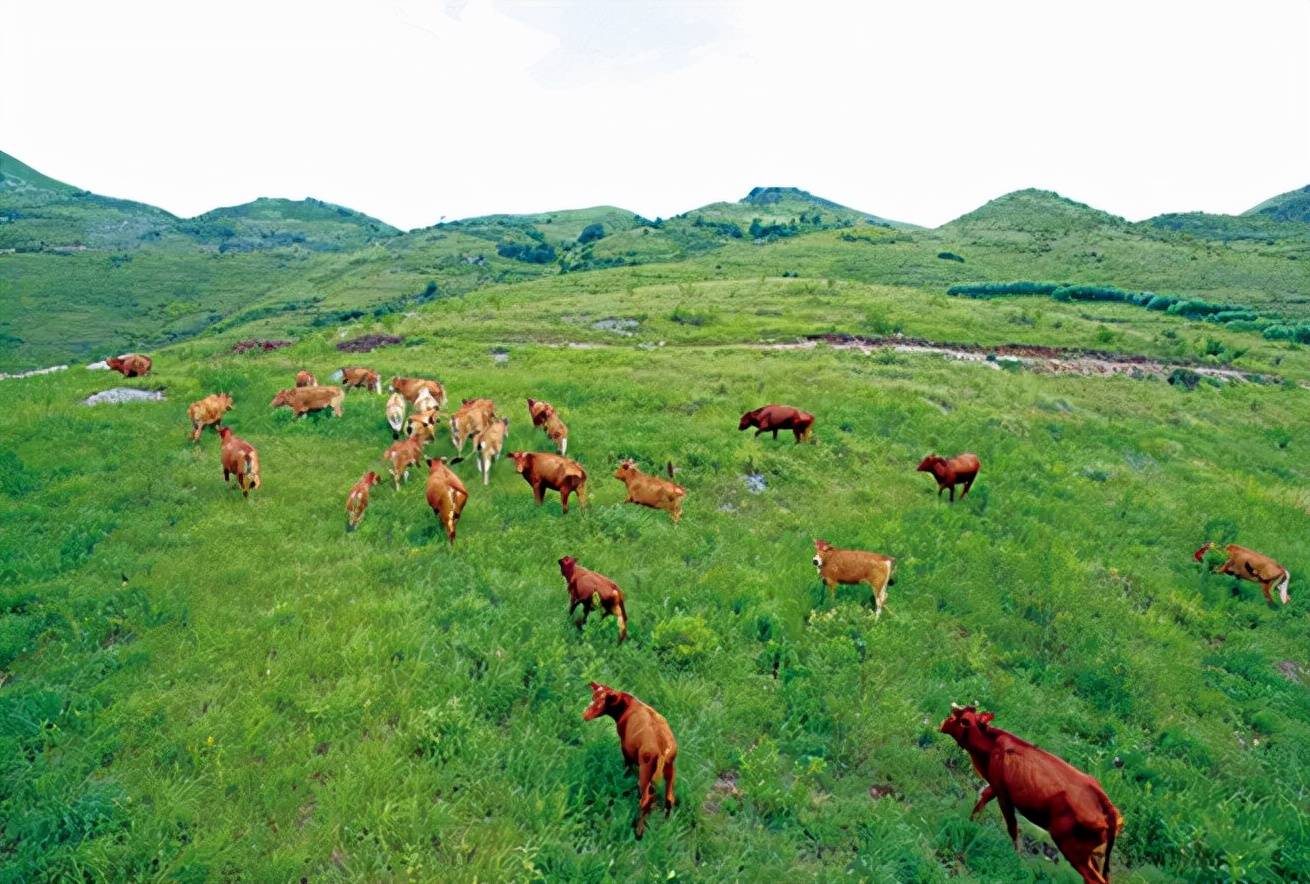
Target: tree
(591, 233)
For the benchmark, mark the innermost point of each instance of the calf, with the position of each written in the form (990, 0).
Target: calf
(556, 432)
(853, 566)
(425, 401)
(553, 471)
(131, 365)
(303, 400)
(588, 589)
(422, 426)
(305, 379)
(539, 411)
(959, 470)
(207, 412)
(1247, 564)
(646, 741)
(409, 388)
(400, 457)
(651, 491)
(361, 378)
(772, 418)
(1047, 790)
(357, 500)
(239, 459)
(446, 495)
(396, 414)
(472, 417)
(488, 445)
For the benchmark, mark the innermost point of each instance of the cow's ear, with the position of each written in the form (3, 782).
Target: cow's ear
(985, 718)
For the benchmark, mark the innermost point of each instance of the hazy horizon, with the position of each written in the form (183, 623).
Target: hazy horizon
(414, 111)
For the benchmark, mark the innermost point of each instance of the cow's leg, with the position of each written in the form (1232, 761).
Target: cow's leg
(1265, 585)
(775, 434)
(757, 432)
(669, 800)
(952, 494)
(985, 794)
(967, 486)
(226, 475)
(644, 795)
(940, 489)
(832, 589)
(1011, 823)
(565, 489)
(676, 513)
(538, 493)
(879, 598)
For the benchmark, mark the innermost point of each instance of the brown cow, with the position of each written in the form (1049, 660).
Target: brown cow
(853, 566)
(302, 400)
(959, 470)
(539, 411)
(361, 378)
(1047, 790)
(396, 414)
(588, 588)
(651, 491)
(425, 401)
(646, 741)
(131, 365)
(553, 471)
(400, 457)
(422, 426)
(471, 418)
(357, 500)
(208, 412)
(305, 379)
(409, 387)
(446, 495)
(239, 459)
(772, 418)
(1247, 564)
(488, 444)
(557, 432)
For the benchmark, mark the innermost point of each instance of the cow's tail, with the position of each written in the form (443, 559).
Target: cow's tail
(1282, 586)
(891, 571)
(582, 493)
(622, 613)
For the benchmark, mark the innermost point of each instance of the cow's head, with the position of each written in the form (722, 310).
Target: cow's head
(820, 547)
(929, 463)
(747, 420)
(1199, 555)
(567, 565)
(627, 470)
(396, 383)
(436, 463)
(966, 721)
(370, 478)
(603, 700)
(224, 432)
(225, 401)
(283, 397)
(521, 460)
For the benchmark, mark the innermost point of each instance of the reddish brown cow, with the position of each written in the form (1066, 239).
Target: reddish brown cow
(446, 495)
(131, 365)
(539, 411)
(305, 379)
(854, 566)
(552, 471)
(589, 588)
(302, 400)
(1047, 790)
(357, 500)
(400, 456)
(1247, 564)
(409, 388)
(239, 459)
(361, 378)
(207, 412)
(772, 418)
(646, 741)
(959, 470)
(651, 491)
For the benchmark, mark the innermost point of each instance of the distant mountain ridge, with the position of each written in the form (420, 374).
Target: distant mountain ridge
(1291, 206)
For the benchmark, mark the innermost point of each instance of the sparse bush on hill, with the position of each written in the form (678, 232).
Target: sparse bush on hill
(591, 233)
(539, 253)
(950, 256)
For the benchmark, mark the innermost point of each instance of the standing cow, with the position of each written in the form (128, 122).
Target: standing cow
(1247, 564)
(446, 495)
(772, 418)
(551, 471)
(590, 588)
(646, 741)
(854, 566)
(208, 412)
(131, 365)
(949, 472)
(239, 459)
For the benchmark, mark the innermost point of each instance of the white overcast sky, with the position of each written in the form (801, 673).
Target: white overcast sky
(411, 110)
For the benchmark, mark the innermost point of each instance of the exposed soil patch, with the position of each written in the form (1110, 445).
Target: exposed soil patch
(755, 483)
(725, 786)
(33, 373)
(264, 346)
(616, 325)
(366, 343)
(1293, 671)
(119, 395)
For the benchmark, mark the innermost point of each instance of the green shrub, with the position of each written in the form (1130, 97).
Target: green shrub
(1089, 293)
(1002, 289)
(950, 256)
(591, 233)
(683, 640)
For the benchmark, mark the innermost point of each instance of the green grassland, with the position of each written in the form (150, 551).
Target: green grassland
(199, 687)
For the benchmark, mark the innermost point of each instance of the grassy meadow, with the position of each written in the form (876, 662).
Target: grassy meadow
(196, 687)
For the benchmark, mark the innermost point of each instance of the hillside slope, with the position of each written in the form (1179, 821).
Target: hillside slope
(1291, 206)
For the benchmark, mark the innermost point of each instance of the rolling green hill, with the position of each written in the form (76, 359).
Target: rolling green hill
(1291, 206)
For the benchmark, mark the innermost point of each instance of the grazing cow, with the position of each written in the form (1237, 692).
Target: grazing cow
(1247, 564)
(488, 445)
(303, 400)
(357, 500)
(396, 414)
(853, 566)
(646, 741)
(959, 470)
(425, 401)
(588, 589)
(651, 491)
(539, 411)
(1047, 790)
(305, 379)
(131, 365)
(557, 432)
(239, 459)
(772, 418)
(409, 388)
(472, 417)
(400, 457)
(446, 495)
(207, 412)
(362, 378)
(553, 471)
(423, 426)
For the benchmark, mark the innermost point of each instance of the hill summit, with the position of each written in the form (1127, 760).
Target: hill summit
(1291, 206)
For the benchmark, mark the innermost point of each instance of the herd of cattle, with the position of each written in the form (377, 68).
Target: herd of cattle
(1022, 777)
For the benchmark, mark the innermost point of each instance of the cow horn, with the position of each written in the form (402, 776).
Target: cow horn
(956, 707)
(975, 704)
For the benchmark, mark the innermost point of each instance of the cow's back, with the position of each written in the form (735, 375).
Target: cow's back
(1033, 778)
